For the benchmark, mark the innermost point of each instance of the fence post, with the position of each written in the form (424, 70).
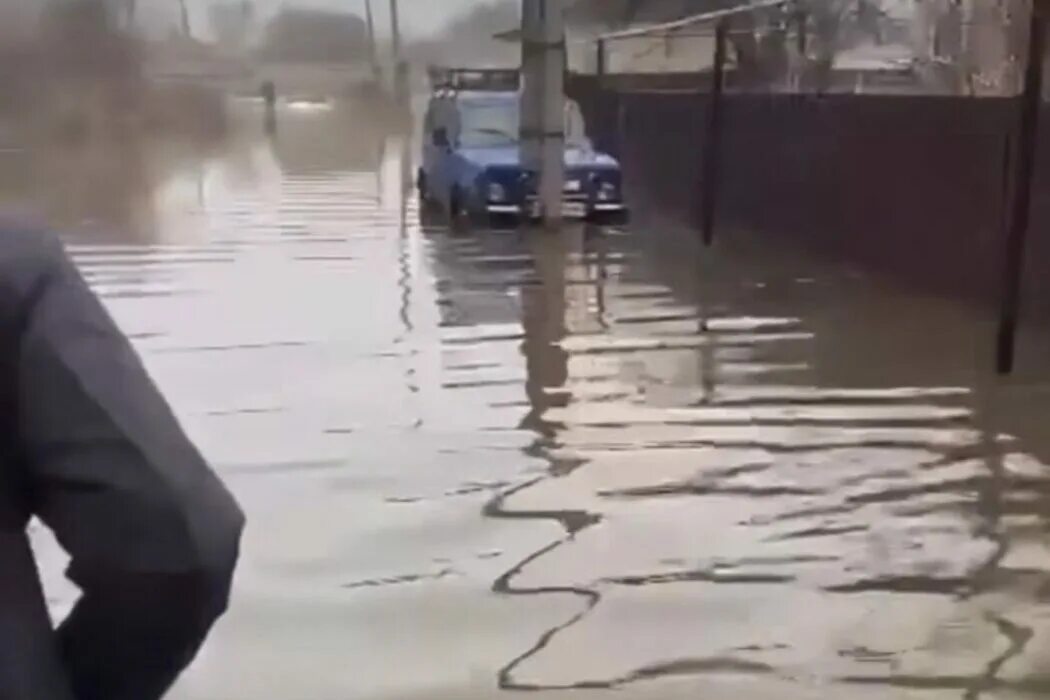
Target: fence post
(602, 62)
(1020, 207)
(802, 40)
(621, 125)
(713, 141)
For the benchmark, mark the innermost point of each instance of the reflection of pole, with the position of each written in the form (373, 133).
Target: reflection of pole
(544, 308)
(543, 100)
(405, 254)
(1020, 209)
(990, 498)
(713, 140)
(602, 276)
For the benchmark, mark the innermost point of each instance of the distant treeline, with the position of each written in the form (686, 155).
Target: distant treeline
(79, 77)
(68, 42)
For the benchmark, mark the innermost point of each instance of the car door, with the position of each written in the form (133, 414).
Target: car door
(433, 153)
(441, 152)
(451, 162)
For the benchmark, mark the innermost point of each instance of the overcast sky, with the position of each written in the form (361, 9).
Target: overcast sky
(417, 16)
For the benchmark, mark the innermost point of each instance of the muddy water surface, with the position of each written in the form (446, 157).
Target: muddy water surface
(492, 462)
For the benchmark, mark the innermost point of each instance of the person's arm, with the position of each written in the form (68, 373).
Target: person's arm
(152, 533)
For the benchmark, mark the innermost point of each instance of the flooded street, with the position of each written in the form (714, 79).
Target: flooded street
(488, 462)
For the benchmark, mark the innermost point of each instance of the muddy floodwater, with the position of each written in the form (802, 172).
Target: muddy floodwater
(489, 462)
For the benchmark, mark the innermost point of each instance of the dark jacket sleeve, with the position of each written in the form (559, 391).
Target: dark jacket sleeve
(152, 533)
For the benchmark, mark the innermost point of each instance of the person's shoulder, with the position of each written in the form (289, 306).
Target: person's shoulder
(28, 254)
(23, 241)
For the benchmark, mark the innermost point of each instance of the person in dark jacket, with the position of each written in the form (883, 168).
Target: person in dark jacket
(89, 446)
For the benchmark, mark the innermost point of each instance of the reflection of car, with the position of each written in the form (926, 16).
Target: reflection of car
(472, 161)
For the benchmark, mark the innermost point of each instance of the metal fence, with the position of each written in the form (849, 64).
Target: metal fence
(778, 46)
(899, 144)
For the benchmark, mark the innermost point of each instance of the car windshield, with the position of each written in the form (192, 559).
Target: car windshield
(499, 123)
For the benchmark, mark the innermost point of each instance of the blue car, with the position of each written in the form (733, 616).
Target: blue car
(472, 162)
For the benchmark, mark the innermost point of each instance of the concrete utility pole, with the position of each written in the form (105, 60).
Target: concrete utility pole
(543, 100)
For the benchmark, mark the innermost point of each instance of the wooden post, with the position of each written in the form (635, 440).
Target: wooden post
(802, 40)
(713, 140)
(1020, 207)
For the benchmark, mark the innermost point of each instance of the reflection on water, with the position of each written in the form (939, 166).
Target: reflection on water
(80, 185)
(506, 461)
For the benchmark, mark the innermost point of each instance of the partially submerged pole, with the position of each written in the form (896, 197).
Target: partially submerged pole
(543, 101)
(1019, 216)
(713, 138)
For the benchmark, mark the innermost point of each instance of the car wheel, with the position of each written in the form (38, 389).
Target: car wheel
(430, 216)
(421, 186)
(503, 222)
(426, 200)
(479, 217)
(456, 214)
(616, 218)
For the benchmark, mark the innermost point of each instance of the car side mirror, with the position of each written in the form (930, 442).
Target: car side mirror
(441, 138)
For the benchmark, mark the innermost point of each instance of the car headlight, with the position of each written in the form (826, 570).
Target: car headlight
(497, 192)
(608, 191)
(573, 186)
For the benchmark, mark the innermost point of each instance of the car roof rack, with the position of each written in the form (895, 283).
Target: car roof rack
(451, 80)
